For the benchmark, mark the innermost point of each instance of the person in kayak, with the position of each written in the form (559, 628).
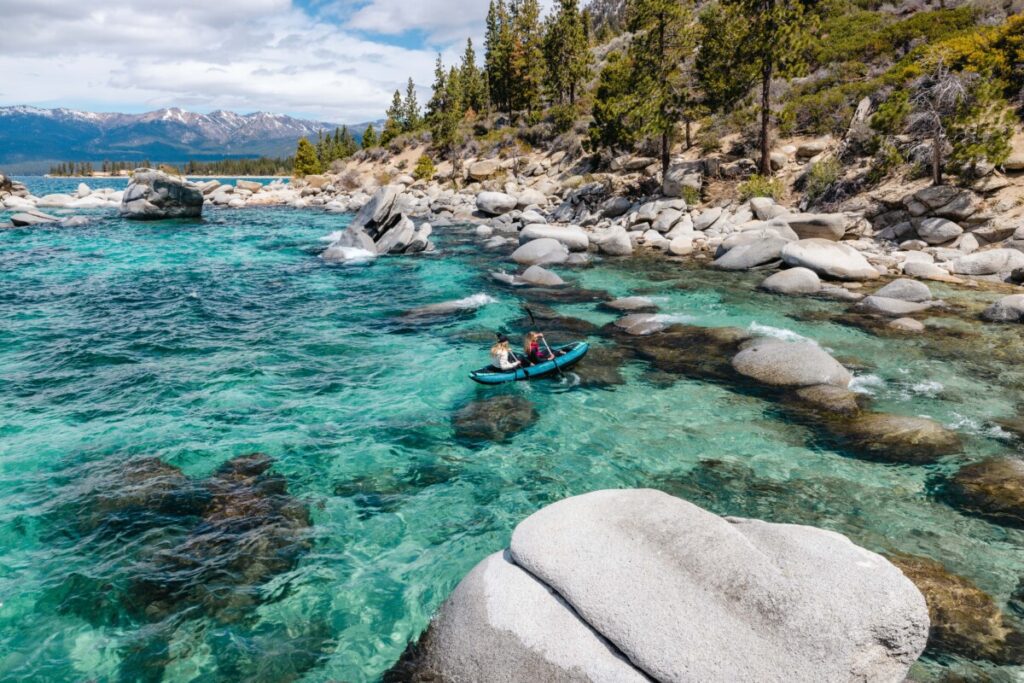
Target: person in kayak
(502, 356)
(535, 353)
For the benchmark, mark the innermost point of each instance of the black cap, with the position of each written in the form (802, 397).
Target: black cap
(502, 337)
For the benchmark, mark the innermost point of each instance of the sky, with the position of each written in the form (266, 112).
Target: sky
(330, 60)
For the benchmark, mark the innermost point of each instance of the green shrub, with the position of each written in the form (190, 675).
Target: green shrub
(563, 116)
(887, 159)
(709, 140)
(891, 116)
(761, 186)
(424, 168)
(821, 177)
(691, 195)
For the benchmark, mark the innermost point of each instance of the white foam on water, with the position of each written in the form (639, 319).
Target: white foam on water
(352, 255)
(474, 301)
(927, 388)
(672, 318)
(333, 237)
(777, 333)
(866, 384)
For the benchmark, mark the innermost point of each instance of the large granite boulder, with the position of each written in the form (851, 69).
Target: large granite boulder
(829, 226)
(631, 585)
(572, 236)
(829, 259)
(789, 364)
(502, 624)
(541, 252)
(895, 308)
(906, 290)
(937, 230)
(614, 241)
(793, 281)
(380, 228)
(751, 254)
(154, 195)
(988, 262)
(495, 203)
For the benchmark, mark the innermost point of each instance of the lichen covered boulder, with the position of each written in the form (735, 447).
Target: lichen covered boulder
(155, 195)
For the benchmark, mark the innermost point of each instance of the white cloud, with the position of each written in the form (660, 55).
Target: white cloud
(243, 55)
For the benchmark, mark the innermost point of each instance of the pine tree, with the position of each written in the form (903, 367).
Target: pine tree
(498, 52)
(566, 53)
(393, 126)
(776, 35)
(722, 70)
(527, 55)
(981, 128)
(369, 137)
(445, 128)
(664, 41)
(616, 105)
(437, 93)
(306, 161)
(411, 115)
(474, 89)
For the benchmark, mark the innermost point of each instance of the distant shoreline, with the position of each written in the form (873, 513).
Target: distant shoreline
(128, 177)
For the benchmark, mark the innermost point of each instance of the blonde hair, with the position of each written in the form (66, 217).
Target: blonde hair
(528, 341)
(500, 346)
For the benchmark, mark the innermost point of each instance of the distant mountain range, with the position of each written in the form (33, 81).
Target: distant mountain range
(32, 139)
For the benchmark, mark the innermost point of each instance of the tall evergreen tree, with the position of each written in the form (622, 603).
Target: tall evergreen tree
(566, 53)
(664, 42)
(498, 45)
(437, 93)
(395, 116)
(306, 161)
(776, 35)
(527, 58)
(474, 90)
(411, 115)
(369, 137)
(724, 74)
(446, 132)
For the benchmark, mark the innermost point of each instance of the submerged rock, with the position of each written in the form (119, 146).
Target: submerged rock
(467, 304)
(154, 195)
(992, 488)
(790, 364)
(830, 398)
(250, 531)
(899, 438)
(964, 619)
(494, 419)
(631, 304)
(896, 308)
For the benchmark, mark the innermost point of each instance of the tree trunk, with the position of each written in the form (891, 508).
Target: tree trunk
(937, 156)
(665, 149)
(689, 137)
(766, 117)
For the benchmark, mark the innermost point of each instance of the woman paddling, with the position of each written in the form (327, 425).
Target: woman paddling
(534, 352)
(502, 356)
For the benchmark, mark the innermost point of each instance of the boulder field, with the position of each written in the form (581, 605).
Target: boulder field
(637, 585)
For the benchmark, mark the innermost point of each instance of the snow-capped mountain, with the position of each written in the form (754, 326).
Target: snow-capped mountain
(33, 137)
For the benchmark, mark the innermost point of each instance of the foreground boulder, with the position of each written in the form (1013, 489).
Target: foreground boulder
(638, 585)
(154, 195)
(790, 364)
(829, 259)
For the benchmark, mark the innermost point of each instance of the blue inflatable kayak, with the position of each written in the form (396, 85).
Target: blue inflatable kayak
(570, 355)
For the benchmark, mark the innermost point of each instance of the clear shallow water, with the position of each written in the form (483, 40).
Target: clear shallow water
(199, 342)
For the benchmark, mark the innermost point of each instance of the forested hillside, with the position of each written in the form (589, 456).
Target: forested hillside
(914, 89)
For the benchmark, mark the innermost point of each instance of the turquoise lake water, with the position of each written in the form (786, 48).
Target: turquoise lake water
(197, 342)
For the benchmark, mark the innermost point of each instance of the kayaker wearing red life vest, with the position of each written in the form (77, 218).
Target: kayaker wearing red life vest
(534, 352)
